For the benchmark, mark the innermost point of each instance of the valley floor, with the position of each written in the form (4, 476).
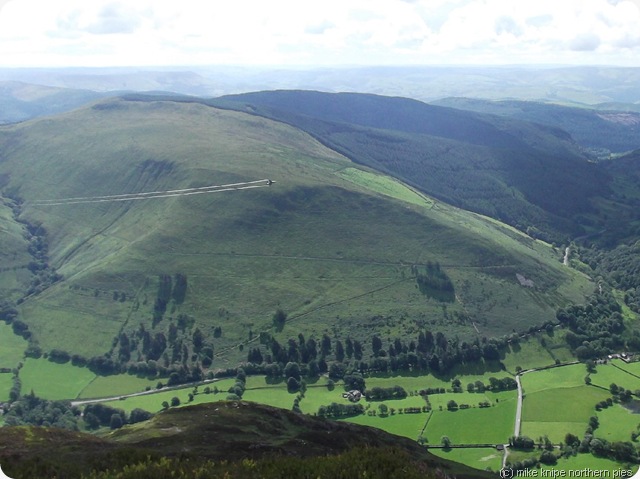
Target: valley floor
(553, 400)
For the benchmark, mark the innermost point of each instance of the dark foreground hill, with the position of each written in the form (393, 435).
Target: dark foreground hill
(233, 439)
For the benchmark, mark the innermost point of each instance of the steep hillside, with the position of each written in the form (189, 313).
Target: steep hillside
(624, 206)
(340, 249)
(599, 130)
(271, 441)
(14, 255)
(628, 164)
(530, 175)
(400, 114)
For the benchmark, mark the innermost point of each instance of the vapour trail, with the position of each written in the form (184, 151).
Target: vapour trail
(155, 194)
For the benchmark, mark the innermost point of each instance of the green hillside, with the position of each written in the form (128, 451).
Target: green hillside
(340, 249)
(14, 255)
(532, 176)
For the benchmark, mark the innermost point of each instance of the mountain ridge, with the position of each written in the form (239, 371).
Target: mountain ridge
(330, 242)
(539, 176)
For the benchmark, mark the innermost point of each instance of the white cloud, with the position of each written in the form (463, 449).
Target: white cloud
(103, 32)
(115, 18)
(585, 42)
(319, 27)
(507, 25)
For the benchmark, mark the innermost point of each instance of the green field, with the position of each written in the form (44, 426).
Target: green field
(317, 396)
(416, 383)
(50, 380)
(493, 425)
(630, 367)
(274, 396)
(556, 411)
(115, 385)
(409, 383)
(407, 425)
(6, 383)
(617, 423)
(13, 346)
(153, 402)
(560, 377)
(607, 374)
(479, 458)
(557, 402)
(573, 404)
(528, 354)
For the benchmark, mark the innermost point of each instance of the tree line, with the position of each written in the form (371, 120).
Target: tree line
(427, 353)
(30, 409)
(597, 328)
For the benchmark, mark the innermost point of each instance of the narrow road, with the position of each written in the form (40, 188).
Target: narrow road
(516, 429)
(505, 456)
(81, 402)
(155, 194)
(518, 423)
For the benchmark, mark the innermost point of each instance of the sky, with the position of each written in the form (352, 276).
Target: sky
(92, 33)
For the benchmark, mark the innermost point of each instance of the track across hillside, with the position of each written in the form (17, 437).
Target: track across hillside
(155, 194)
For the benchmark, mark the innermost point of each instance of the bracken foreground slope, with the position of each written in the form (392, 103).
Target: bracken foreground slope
(222, 439)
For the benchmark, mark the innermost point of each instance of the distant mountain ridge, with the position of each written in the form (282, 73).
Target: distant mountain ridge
(577, 85)
(611, 130)
(21, 101)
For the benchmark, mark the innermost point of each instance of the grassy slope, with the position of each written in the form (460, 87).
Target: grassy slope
(14, 257)
(517, 171)
(331, 247)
